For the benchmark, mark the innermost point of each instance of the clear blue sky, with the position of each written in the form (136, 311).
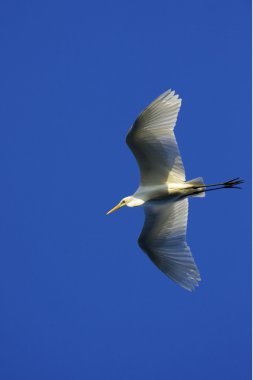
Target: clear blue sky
(78, 298)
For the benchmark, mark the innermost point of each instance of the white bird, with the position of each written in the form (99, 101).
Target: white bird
(163, 190)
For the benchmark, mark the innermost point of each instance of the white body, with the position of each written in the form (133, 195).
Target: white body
(169, 191)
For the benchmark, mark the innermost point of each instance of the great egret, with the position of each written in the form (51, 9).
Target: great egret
(163, 190)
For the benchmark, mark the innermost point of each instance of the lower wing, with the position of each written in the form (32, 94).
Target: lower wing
(163, 238)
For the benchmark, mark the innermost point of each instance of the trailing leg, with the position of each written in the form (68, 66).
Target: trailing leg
(233, 183)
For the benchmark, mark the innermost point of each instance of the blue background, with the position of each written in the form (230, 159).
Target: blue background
(79, 300)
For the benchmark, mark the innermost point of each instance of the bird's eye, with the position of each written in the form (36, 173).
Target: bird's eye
(123, 202)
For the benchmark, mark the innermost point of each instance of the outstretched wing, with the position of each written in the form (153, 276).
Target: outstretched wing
(153, 143)
(163, 238)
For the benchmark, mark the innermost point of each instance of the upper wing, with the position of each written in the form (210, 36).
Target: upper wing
(163, 238)
(152, 141)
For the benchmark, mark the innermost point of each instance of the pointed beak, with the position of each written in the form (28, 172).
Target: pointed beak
(114, 208)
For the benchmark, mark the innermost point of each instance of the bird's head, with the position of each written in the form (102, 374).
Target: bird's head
(130, 201)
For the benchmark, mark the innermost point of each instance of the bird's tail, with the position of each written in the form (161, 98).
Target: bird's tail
(198, 185)
(200, 188)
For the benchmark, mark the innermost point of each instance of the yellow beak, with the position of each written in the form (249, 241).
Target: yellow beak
(114, 208)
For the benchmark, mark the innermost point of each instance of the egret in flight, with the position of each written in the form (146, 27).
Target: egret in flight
(164, 191)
